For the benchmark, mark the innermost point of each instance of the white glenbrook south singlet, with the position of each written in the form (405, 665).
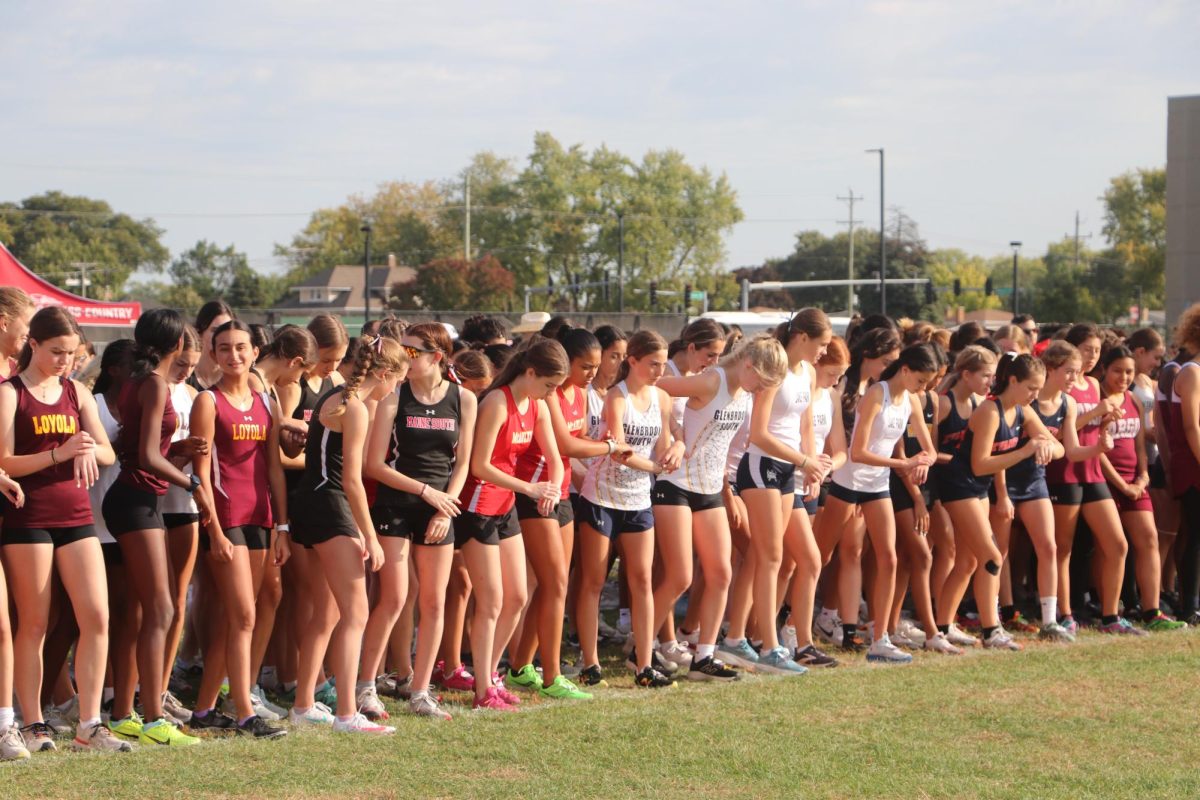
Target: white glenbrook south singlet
(610, 483)
(885, 431)
(791, 401)
(708, 432)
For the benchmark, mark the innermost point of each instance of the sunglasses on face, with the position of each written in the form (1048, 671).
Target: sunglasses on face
(416, 352)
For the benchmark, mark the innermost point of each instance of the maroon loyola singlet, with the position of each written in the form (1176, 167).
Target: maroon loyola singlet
(52, 500)
(130, 407)
(241, 484)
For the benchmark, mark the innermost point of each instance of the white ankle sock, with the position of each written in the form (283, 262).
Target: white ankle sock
(7, 717)
(704, 651)
(85, 724)
(1049, 610)
(733, 642)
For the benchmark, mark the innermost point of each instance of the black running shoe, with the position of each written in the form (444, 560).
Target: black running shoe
(709, 669)
(812, 657)
(259, 728)
(592, 676)
(650, 678)
(655, 661)
(213, 721)
(853, 644)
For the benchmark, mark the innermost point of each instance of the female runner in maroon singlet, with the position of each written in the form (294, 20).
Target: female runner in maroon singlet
(549, 540)
(51, 438)
(502, 433)
(242, 472)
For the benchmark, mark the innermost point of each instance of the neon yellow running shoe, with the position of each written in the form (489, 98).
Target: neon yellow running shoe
(128, 728)
(163, 732)
(526, 678)
(563, 689)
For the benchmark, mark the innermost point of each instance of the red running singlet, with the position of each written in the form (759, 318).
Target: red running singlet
(241, 484)
(52, 500)
(531, 466)
(513, 440)
(127, 446)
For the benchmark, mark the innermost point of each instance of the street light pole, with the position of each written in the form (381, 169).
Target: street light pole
(882, 239)
(1016, 248)
(621, 260)
(366, 228)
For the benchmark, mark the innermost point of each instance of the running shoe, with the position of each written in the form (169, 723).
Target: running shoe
(423, 704)
(215, 721)
(1070, 625)
(969, 621)
(650, 678)
(1021, 624)
(938, 643)
(257, 707)
(608, 633)
(12, 745)
(787, 637)
(492, 701)
(39, 737)
(166, 733)
(592, 676)
(360, 724)
(369, 704)
(900, 640)
(854, 644)
(392, 685)
(810, 657)
(675, 652)
(1193, 621)
(509, 697)
(960, 638)
(326, 693)
(1001, 639)
(128, 728)
(562, 689)
(912, 631)
(710, 669)
(318, 714)
(259, 728)
(656, 661)
(63, 718)
(625, 626)
(98, 738)
(883, 651)
(692, 640)
(1162, 622)
(1122, 626)
(740, 654)
(778, 661)
(1054, 632)
(828, 627)
(259, 697)
(175, 709)
(459, 680)
(526, 679)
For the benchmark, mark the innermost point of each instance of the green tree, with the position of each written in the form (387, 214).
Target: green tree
(1135, 225)
(208, 269)
(1063, 292)
(53, 233)
(947, 266)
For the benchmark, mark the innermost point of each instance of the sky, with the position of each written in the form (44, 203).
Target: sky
(233, 122)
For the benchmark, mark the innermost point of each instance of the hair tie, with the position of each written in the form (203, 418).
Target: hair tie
(453, 374)
(378, 344)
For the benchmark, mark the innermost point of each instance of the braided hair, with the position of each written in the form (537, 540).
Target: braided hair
(374, 353)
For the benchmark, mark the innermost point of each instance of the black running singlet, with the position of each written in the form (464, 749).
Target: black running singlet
(322, 453)
(424, 443)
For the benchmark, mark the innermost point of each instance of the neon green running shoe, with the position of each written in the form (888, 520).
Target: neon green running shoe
(128, 728)
(563, 689)
(1162, 622)
(525, 678)
(162, 732)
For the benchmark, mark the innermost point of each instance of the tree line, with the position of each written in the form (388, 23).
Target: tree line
(566, 216)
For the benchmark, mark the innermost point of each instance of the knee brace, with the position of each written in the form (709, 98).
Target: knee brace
(992, 567)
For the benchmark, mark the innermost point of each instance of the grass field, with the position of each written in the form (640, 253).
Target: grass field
(1104, 718)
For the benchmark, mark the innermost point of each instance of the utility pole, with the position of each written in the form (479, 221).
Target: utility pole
(467, 219)
(882, 239)
(1077, 239)
(851, 200)
(366, 229)
(83, 267)
(621, 260)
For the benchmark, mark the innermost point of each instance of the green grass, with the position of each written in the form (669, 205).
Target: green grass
(1104, 718)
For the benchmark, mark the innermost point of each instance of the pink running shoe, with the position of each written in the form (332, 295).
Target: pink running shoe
(492, 701)
(498, 685)
(459, 680)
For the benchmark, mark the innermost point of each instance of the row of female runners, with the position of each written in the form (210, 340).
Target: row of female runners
(334, 486)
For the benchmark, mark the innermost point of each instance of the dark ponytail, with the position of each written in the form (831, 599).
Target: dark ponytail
(117, 354)
(917, 357)
(292, 341)
(810, 321)
(608, 335)
(210, 311)
(578, 342)
(700, 333)
(545, 357)
(641, 344)
(872, 343)
(1015, 367)
(157, 335)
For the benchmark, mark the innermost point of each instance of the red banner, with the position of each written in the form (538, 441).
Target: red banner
(44, 293)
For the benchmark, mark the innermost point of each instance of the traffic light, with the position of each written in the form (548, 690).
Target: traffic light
(930, 297)
(653, 293)
(687, 296)
(988, 288)
(957, 287)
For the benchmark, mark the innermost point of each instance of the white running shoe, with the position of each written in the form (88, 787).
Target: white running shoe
(606, 631)
(99, 739)
(63, 718)
(175, 709)
(957, 636)
(882, 650)
(677, 653)
(787, 638)
(828, 627)
(423, 704)
(912, 631)
(369, 704)
(260, 710)
(12, 745)
(901, 640)
(940, 644)
(260, 699)
(360, 724)
(319, 714)
(1001, 640)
